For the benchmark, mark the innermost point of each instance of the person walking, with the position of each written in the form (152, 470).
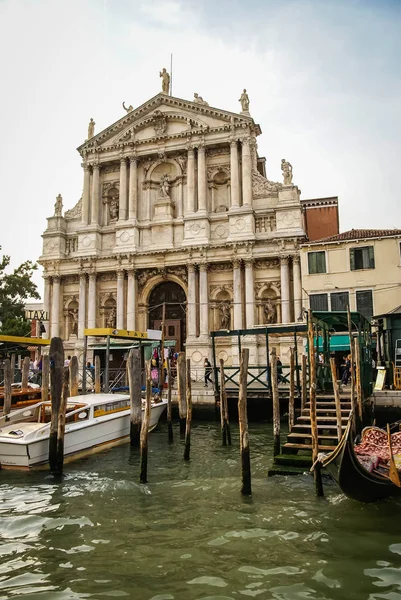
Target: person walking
(346, 371)
(208, 371)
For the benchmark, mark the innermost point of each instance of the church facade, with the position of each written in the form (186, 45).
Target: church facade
(177, 209)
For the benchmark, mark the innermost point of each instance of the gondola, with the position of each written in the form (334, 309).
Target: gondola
(353, 479)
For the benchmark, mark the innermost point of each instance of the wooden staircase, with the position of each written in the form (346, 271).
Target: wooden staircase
(296, 453)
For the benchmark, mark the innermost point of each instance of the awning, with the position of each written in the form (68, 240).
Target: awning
(338, 343)
(119, 346)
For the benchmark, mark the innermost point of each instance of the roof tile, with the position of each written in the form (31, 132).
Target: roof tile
(358, 234)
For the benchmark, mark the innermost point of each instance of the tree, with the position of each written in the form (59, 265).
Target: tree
(15, 289)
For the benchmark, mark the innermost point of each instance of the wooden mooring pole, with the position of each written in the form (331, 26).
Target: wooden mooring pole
(187, 449)
(225, 424)
(12, 360)
(246, 489)
(276, 404)
(336, 397)
(8, 379)
(25, 373)
(135, 394)
(358, 382)
(97, 374)
(354, 406)
(169, 411)
(317, 475)
(143, 477)
(74, 375)
(45, 377)
(291, 399)
(56, 355)
(161, 362)
(181, 389)
(304, 395)
(58, 470)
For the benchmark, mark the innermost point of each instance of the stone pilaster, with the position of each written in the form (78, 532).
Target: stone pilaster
(92, 301)
(122, 213)
(86, 194)
(46, 305)
(95, 208)
(201, 179)
(249, 294)
(120, 299)
(296, 267)
(82, 305)
(131, 300)
(237, 294)
(204, 300)
(285, 289)
(190, 204)
(191, 300)
(246, 173)
(55, 311)
(133, 189)
(235, 195)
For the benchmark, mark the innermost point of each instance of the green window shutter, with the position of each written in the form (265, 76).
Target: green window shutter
(322, 262)
(352, 258)
(312, 262)
(371, 257)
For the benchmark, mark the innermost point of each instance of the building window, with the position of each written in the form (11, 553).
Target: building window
(364, 303)
(339, 301)
(316, 262)
(318, 302)
(362, 258)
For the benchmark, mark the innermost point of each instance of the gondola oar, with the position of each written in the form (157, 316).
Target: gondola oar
(393, 473)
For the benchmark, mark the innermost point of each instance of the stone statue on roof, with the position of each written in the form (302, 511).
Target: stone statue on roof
(165, 81)
(244, 101)
(58, 206)
(91, 129)
(286, 168)
(199, 100)
(129, 108)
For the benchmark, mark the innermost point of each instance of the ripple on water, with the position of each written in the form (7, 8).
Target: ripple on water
(206, 580)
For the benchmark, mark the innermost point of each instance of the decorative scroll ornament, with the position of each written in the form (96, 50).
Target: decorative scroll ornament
(262, 187)
(75, 212)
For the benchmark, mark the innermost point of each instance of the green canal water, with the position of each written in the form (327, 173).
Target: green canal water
(188, 533)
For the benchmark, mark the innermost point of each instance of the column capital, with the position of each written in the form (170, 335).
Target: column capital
(82, 275)
(191, 268)
(249, 262)
(284, 260)
(234, 143)
(296, 259)
(190, 150)
(133, 159)
(246, 141)
(123, 159)
(201, 148)
(236, 263)
(204, 266)
(92, 275)
(96, 165)
(56, 278)
(85, 166)
(120, 273)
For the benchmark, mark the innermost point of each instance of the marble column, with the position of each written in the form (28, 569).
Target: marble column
(285, 290)
(133, 189)
(296, 268)
(92, 301)
(95, 208)
(203, 300)
(82, 305)
(122, 211)
(191, 302)
(131, 301)
(190, 204)
(249, 294)
(235, 195)
(85, 195)
(120, 299)
(246, 173)
(55, 311)
(237, 294)
(201, 179)
(46, 306)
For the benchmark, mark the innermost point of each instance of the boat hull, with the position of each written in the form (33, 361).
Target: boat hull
(80, 439)
(352, 478)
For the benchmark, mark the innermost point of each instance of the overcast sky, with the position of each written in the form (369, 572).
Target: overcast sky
(323, 77)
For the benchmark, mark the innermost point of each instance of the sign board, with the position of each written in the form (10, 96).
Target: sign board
(380, 378)
(36, 315)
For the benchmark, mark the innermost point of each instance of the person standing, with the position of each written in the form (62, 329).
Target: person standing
(279, 370)
(208, 371)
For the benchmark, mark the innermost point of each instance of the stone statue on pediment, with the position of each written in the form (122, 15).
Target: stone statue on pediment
(58, 206)
(129, 108)
(199, 100)
(165, 81)
(286, 168)
(244, 101)
(91, 129)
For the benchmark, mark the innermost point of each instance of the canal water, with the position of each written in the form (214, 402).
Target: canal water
(188, 533)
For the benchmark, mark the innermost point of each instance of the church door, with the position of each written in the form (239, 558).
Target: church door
(173, 296)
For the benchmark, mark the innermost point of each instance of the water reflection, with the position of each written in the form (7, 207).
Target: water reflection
(188, 534)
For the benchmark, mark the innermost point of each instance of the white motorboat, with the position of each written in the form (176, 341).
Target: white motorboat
(93, 422)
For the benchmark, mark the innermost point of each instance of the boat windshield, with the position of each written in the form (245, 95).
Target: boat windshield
(110, 407)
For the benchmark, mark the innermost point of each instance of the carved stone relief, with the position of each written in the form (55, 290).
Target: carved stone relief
(107, 277)
(220, 267)
(75, 212)
(70, 279)
(262, 187)
(267, 263)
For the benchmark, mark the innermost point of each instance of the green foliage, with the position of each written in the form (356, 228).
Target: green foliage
(16, 287)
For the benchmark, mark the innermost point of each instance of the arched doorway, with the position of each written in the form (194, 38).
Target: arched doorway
(174, 297)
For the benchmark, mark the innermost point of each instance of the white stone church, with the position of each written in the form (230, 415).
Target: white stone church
(176, 208)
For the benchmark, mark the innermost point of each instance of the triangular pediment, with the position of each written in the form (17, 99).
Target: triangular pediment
(164, 116)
